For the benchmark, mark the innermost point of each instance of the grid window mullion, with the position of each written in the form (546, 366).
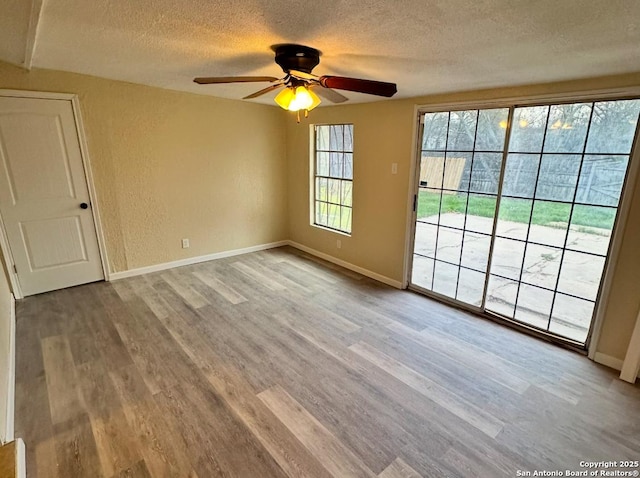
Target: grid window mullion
(335, 200)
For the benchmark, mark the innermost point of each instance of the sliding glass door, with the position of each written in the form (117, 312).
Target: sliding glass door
(516, 206)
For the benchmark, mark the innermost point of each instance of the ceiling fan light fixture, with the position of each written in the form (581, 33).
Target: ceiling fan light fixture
(296, 99)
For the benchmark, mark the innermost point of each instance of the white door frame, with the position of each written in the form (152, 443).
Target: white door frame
(632, 181)
(88, 174)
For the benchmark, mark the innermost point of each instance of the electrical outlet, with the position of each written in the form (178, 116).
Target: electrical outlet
(394, 168)
(339, 244)
(185, 243)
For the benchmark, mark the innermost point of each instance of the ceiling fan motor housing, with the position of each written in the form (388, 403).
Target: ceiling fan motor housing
(296, 57)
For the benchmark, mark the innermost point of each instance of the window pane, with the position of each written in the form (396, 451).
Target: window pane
(452, 209)
(449, 245)
(422, 272)
(549, 223)
(571, 317)
(580, 275)
(501, 295)
(322, 165)
(334, 216)
(520, 175)
(321, 189)
(321, 213)
(348, 137)
(322, 138)
(567, 128)
(541, 265)
(558, 177)
(336, 137)
(346, 192)
(428, 205)
(345, 219)
(513, 218)
(456, 171)
(445, 279)
(470, 287)
(507, 258)
(425, 239)
(462, 130)
(527, 130)
(492, 127)
(348, 165)
(480, 212)
(334, 191)
(534, 306)
(485, 175)
(434, 136)
(591, 228)
(335, 165)
(601, 180)
(613, 127)
(431, 170)
(475, 251)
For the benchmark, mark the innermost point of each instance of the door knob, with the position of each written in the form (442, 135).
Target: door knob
(84, 205)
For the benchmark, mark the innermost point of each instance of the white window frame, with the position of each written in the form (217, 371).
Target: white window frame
(314, 176)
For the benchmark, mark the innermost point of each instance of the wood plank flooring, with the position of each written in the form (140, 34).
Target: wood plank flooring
(277, 364)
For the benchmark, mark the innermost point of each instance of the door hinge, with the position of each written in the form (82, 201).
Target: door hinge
(15, 269)
(415, 202)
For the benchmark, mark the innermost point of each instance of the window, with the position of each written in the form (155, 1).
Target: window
(517, 220)
(333, 176)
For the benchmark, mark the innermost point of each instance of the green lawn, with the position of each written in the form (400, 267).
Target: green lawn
(516, 210)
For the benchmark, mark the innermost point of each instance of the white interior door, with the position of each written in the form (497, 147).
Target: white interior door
(44, 199)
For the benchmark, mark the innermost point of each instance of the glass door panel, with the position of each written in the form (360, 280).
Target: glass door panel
(460, 165)
(563, 178)
(523, 232)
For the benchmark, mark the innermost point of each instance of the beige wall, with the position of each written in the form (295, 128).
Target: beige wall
(171, 165)
(383, 134)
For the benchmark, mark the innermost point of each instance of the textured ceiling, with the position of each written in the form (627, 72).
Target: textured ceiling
(424, 46)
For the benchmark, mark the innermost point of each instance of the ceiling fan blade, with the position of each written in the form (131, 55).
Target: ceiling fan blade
(233, 79)
(370, 87)
(302, 75)
(331, 95)
(263, 91)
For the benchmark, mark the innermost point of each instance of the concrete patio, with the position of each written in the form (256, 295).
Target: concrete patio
(579, 275)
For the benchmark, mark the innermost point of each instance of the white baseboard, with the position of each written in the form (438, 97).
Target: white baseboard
(11, 386)
(194, 260)
(608, 361)
(348, 265)
(21, 459)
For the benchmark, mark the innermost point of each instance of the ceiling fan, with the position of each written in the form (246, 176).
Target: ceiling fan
(300, 85)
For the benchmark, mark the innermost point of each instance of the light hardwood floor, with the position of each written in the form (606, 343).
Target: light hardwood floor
(277, 364)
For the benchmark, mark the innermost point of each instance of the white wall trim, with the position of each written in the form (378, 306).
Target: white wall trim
(624, 208)
(607, 360)
(194, 260)
(506, 101)
(32, 32)
(21, 459)
(8, 261)
(43, 95)
(11, 385)
(93, 195)
(410, 226)
(347, 265)
(631, 364)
